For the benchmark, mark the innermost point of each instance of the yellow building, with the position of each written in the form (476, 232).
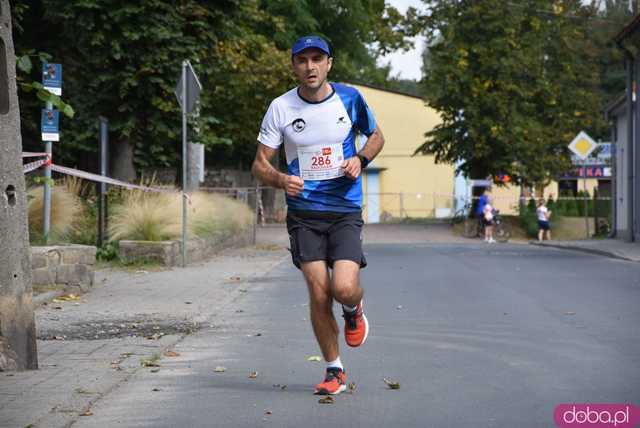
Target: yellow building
(398, 184)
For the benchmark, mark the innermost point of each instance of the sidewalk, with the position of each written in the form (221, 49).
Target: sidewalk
(604, 247)
(88, 347)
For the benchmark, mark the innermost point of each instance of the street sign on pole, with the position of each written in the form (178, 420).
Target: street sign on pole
(192, 88)
(582, 146)
(50, 124)
(188, 93)
(52, 78)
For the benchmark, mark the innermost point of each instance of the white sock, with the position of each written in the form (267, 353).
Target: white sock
(335, 364)
(349, 309)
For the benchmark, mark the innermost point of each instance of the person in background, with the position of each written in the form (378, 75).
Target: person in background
(482, 201)
(487, 220)
(544, 215)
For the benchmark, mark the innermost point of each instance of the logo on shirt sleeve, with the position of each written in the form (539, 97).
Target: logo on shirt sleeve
(298, 125)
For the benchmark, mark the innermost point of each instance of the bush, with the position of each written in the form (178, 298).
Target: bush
(529, 219)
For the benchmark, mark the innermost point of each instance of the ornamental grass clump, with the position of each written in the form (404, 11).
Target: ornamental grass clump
(67, 210)
(151, 216)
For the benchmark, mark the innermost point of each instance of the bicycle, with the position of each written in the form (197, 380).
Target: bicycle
(474, 227)
(460, 215)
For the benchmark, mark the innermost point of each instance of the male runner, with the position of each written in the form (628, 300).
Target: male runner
(319, 123)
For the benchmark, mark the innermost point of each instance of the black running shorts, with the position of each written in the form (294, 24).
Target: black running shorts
(329, 236)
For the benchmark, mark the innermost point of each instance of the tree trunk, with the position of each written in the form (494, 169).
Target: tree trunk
(17, 324)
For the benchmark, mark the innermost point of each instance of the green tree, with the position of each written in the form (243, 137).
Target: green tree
(611, 16)
(513, 94)
(359, 32)
(122, 60)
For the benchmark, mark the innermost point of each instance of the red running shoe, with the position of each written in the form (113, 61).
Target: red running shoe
(356, 326)
(335, 381)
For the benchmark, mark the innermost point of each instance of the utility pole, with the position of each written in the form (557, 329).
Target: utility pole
(17, 325)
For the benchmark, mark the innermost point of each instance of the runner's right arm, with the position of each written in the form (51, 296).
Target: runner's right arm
(265, 172)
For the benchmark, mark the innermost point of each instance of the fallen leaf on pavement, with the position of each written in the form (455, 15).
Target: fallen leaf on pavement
(87, 413)
(391, 383)
(149, 363)
(170, 353)
(352, 387)
(253, 375)
(314, 358)
(326, 400)
(66, 298)
(220, 369)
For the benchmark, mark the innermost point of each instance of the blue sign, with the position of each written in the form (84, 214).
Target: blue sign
(52, 78)
(600, 156)
(49, 125)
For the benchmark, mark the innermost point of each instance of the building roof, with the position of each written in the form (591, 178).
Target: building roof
(614, 104)
(380, 88)
(629, 30)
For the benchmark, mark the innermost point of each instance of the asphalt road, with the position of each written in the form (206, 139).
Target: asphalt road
(476, 335)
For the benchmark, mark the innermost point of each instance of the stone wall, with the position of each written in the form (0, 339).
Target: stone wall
(169, 253)
(71, 265)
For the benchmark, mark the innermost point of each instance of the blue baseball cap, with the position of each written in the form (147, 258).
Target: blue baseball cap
(307, 42)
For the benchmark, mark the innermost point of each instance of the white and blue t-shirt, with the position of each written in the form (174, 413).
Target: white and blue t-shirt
(338, 119)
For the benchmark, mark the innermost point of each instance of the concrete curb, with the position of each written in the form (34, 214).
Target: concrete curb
(593, 251)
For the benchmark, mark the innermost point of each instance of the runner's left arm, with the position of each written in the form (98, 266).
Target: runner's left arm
(373, 146)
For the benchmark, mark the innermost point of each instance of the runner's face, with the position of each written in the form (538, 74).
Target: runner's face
(311, 67)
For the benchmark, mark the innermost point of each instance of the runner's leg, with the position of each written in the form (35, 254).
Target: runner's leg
(346, 289)
(345, 283)
(324, 323)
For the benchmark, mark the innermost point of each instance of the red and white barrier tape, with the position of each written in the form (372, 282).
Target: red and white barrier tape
(32, 166)
(103, 179)
(33, 154)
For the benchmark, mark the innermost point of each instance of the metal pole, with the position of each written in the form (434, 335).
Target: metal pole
(48, 148)
(257, 219)
(184, 163)
(102, 187)
(586, 201)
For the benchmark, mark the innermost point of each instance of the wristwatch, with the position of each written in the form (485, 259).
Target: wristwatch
(363, 161)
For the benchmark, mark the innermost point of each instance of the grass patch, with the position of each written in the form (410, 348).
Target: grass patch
(146, 216)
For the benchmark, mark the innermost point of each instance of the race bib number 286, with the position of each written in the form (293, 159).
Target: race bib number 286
(321, 162)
